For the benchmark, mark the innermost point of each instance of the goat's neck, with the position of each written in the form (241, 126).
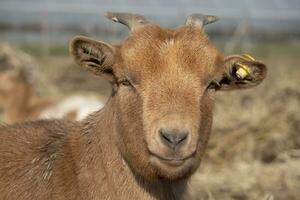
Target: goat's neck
(108, 160)
(173, 190)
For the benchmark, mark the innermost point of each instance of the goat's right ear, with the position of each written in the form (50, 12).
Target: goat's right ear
(95, 56)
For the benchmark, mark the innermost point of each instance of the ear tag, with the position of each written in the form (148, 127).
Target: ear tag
(243, 71)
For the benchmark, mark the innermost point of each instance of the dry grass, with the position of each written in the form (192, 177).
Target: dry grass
(243, 180)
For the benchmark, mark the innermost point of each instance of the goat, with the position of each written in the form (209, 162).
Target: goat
(150, 136)
(19, 103)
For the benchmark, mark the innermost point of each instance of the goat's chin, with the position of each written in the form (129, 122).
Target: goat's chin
(171, 169)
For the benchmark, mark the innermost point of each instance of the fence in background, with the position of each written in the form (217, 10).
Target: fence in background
(48, 21)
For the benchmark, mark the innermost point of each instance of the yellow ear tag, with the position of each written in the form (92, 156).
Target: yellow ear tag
(242, 71)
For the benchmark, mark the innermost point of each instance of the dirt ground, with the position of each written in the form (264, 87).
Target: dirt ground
(254, 150)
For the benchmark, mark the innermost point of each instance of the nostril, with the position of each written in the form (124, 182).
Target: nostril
(165, 136)
(172, 138)
(181, 137)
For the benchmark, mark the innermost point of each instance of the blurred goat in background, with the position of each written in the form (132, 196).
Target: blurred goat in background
(18, 98)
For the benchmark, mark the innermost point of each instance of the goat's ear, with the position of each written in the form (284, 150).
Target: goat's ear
(242, 72)
(95, 56)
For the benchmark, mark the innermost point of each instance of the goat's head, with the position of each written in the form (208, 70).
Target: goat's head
(163, 86)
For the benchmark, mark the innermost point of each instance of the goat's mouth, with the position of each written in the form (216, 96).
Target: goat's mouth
(173, 161)
(172, 168)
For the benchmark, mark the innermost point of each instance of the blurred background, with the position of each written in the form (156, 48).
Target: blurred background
(254, 151)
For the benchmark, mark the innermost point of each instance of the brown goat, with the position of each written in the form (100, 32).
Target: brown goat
(19, 102)
(152, 133)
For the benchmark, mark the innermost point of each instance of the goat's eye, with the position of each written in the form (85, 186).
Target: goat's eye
(125, 82)
(214, 85)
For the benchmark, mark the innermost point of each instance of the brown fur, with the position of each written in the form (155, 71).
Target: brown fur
(160, 78)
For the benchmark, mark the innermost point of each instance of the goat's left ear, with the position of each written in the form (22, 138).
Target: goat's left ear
(95, 56)
(242, 72)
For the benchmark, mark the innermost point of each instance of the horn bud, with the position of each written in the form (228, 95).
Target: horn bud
(132, 21)
(200, 20)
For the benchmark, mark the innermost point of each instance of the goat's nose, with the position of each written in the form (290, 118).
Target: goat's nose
(173, 137)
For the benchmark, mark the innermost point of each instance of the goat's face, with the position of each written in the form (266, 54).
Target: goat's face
(163, 86)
